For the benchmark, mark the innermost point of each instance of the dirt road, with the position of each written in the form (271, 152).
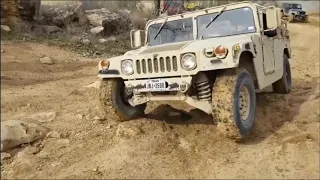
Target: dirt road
(285, 143)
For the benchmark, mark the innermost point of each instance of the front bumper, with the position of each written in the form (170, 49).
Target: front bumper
(300, 17)
(178, 84)
(181, 84)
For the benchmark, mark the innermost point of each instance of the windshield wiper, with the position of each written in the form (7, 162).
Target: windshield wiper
(220, 12)
(161, 27)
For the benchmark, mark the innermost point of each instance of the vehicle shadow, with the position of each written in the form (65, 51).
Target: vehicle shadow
(273, 111)
(171, 115)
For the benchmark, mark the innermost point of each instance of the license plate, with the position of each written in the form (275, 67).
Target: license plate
(156, 85)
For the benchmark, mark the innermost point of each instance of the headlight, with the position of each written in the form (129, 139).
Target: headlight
(127, 66)
(189, 62)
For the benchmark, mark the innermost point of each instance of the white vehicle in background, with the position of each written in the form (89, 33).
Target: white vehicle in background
(294, 12)
(214, 59)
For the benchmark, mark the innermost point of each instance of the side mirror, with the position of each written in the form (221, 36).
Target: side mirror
(273, 15)
(137, 38)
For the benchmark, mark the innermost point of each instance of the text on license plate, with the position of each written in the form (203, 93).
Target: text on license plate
(156, 84)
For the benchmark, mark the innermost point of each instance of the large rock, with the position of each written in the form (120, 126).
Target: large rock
(102, 40)
(66, 16)
(113, 23)
(15, 132)
(5, 28)
(46, 60)
(96, 30)
(116, 25)
(96, 16)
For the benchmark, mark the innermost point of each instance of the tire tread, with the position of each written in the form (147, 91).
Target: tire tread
(222, 104)
(105, 97)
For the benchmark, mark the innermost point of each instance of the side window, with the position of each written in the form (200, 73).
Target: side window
(268, 32)
(264, 20)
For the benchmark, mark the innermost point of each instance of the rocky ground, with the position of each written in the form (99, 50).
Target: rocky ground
(53, 93)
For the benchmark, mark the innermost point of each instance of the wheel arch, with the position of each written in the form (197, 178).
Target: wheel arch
(246, 60)
(286, 52)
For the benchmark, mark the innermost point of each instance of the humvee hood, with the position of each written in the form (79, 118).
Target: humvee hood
(214, 42)
(189, 46)
(158, 48)
(165, 47)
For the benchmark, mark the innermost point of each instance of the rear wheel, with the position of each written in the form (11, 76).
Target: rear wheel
(234, 103)
(114, 101)
(284, 84)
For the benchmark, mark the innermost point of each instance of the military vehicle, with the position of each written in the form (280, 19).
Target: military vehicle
(214, 59)
(294, 12)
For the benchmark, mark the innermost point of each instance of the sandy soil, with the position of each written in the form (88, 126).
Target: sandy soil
(285, 143)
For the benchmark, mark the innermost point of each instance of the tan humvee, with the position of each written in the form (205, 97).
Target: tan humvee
(213, 59)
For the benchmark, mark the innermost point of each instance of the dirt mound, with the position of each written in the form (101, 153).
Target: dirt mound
(168, 143)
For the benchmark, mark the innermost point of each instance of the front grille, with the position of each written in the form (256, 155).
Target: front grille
(157, 65)
(302, 13)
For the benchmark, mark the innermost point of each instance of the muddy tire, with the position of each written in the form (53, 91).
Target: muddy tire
(284, 84)
(113, 103)
(229, 103)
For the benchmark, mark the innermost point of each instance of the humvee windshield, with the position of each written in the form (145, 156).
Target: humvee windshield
(230, 22)
(172, 31)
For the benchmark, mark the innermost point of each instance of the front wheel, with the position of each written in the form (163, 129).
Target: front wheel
(234, 103)
(114, 101)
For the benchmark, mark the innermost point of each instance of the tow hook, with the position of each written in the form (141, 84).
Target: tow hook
(137, 99)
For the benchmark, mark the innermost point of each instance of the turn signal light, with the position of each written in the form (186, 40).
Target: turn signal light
(221, 52)
(104, 64)
(236, 49)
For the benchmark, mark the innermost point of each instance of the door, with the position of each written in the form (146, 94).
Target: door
(279, 46)
(268, 54)
(267, 47)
